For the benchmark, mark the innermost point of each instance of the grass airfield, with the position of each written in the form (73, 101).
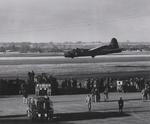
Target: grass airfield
(72, 109)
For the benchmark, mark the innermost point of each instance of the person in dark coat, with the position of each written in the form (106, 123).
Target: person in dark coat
(25, 96)
(120, 103)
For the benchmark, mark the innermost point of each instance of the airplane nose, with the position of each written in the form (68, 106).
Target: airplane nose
(66, 54)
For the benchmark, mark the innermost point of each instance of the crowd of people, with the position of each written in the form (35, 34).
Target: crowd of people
(105, 85)
(88, 101)
(95, 97)
(99, 83)
(70, 83)
(11, 87)
(95, 86)
(139, 83)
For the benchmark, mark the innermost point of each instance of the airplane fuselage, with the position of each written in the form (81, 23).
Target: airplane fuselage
(103, 50)
(85, 52)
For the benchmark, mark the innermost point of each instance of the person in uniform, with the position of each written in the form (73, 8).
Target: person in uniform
(88, 102)
(120, 103)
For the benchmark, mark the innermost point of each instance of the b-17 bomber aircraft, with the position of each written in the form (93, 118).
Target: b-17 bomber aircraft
(113, 47)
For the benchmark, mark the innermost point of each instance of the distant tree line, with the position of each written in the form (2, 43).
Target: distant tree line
(135, 47)
(25, 47)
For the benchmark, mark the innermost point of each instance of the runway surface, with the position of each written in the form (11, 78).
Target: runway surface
(60, 57)
(72, 109)
(119, 57)
(123, 65)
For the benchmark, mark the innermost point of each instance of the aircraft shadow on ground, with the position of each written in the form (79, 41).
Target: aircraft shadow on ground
(14, 121)
(100, 101)
(136, 99)
(1, 96)
(13, 116)
(68, 101)
(139, 111)
(133, 99)
(114, 109)
(27, 121)
(59, 118)
(88, 116)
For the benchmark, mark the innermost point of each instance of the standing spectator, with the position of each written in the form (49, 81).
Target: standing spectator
(96, 95)
(106, 95)
(25, 96)
(68, 84)
(144, 95)
(74, 83)
(137, 84)
(63, 85)
(99, 96)
(131, 82)
(86, 85)
(95, 84)
(125, 86)
(88, 102)
(147, 88)
(49, 90)
(111, 83)
(142, 81)
(93, 95)
(29, 75)
(91, 83)
(120, 103)
(80, 85)
(148, 92)
(32, 76)
(71, 81)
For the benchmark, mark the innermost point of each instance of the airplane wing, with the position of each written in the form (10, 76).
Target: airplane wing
(95, 48)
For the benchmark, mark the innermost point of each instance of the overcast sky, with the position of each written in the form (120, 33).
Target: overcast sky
(74, 20)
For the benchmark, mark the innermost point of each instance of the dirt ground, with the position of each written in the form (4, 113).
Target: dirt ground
(72, 109)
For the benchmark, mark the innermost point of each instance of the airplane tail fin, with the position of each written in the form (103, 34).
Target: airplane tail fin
(114, 43)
